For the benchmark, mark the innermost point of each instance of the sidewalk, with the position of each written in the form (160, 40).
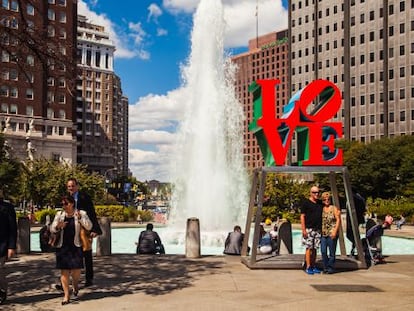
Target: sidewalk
(173, 282)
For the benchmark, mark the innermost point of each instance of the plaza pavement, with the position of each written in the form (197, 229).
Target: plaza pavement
(174, 282)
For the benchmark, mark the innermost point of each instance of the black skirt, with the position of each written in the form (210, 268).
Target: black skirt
(69, 256)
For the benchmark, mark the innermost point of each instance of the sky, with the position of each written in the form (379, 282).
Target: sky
(153, 43)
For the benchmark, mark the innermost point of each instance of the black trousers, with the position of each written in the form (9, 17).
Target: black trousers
(87, 255)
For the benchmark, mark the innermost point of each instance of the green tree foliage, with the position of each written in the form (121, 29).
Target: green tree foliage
(283, 193)
(383, 168)
(9, 170)
(44, 181)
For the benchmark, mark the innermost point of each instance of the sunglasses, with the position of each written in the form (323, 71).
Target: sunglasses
(315, 192)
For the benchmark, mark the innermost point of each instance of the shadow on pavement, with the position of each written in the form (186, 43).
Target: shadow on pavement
(32, 281)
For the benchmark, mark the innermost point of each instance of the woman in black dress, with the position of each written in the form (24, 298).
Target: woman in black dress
(69, 258)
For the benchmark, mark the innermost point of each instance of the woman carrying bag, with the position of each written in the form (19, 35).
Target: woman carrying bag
(69, 259)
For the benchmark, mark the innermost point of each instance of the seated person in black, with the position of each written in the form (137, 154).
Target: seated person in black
(149, 242)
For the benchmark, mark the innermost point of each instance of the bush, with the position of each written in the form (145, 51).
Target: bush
(114, 212)
(40, 215)
(395, 207)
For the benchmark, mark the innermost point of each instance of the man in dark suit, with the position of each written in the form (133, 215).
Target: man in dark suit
(8, 237)
(84, 202)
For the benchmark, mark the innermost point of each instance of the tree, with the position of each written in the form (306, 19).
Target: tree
(22, 36)
(9, 169)
(44, 181)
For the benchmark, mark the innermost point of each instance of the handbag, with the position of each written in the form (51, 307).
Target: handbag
(86, 240)
(54, 239)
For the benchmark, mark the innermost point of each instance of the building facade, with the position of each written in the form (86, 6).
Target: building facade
(36, 85)
(366, 48)
(266, 58)
(101, 109)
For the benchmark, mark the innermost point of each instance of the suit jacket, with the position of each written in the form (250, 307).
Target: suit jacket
(8, 228)
(84, 203)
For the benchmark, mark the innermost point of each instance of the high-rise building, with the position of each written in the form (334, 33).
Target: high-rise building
(366, 48)
(38, 48)
(101, 109)
(266, 58)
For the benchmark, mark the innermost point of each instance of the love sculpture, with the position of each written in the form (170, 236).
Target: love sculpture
(315, 136)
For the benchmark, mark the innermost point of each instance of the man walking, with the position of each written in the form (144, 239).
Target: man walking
(8, 237)
(311, 223)
(84, 202)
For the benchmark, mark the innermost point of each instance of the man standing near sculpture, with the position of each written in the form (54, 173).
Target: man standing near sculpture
(311, 223)
(84, 202)
(8, 237)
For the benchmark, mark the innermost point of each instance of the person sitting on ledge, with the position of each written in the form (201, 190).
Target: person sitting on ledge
(149, 242)
(400, 222)
(234, 242)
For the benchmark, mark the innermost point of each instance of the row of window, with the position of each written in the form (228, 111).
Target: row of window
(7, 91)
(353, 2)
(372, 119)
(13, 109)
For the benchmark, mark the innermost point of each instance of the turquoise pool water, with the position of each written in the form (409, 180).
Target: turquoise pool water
(123, 242)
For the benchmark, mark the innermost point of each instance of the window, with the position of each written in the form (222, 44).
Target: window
(362, 120)
(402, 28)
(402, 115)
(61, 2)
(29, 110)
(402, 93)
(391, 116)
(4, 90)
(14, 6)
(13, 75)
(4, 108)
(62, 17)
(50, 31)
(62, 114)
(62, 82)
(402, 72)
(62, 33)
(14, 92)
(51, 14)
(50, 97)
(372, 119)
(61, 98)
(5, 4)
(29, 9)
(30, 60)
(29, 93)
(50, 113)
(13, 109)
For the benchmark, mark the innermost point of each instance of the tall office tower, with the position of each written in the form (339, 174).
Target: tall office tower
(366, 48)
(267, 58)
(98, 101)
(38, 52)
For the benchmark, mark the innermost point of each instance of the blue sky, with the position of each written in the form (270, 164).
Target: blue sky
(153, 43)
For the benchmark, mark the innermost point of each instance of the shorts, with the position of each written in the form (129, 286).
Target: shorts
(313, 241)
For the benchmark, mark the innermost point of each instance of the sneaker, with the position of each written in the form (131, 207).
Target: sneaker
(309, 271)
(316, 270)
(331, 271)
(3, 296)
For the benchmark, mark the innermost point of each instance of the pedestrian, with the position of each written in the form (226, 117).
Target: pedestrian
(8, 237)
(331, 220)
(149, 242)
(311, 223)
(84, 202)
(234, 242)
(69, 258)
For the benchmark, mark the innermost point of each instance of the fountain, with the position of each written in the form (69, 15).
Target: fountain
(210, 182)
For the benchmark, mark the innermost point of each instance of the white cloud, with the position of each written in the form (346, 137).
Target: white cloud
(151, 137)
(124, 49)
(162, 32)
(154, 12)
(240, 16)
